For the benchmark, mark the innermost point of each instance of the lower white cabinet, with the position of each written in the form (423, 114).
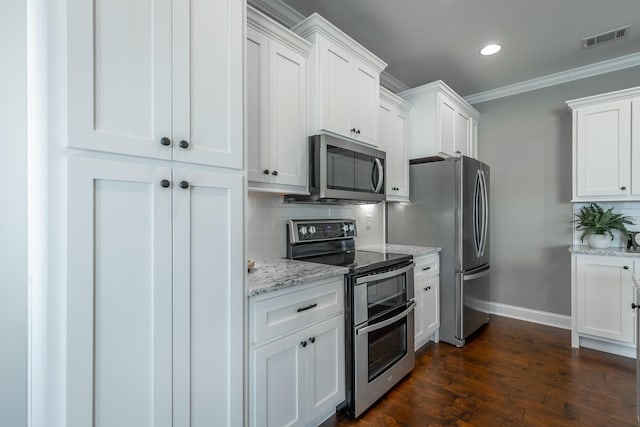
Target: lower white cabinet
(297, 362)
(154, 295)
(603, 292)
(427, 296)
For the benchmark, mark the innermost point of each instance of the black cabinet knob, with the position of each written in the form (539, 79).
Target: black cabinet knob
(626, 267)
(274, 173)
(634, 305)
(428, 288)
(165, 183)
(353, 129)
(358, 132)
(303, 344)
(457, 151)
(184, 144)
(312, 340)
(266, 171)
(623, 188)
(165, 141)
(184, 184)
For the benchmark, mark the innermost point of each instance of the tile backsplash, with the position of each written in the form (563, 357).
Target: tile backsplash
(631, 209)
(267, 216)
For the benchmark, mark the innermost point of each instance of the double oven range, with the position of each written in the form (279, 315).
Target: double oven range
(379, 305)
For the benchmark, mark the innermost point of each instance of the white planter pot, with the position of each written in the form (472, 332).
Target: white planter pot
(599, 241)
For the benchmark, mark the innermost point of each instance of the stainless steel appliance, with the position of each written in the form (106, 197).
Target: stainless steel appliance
(379, 306)
(342, 171)
(449, 208)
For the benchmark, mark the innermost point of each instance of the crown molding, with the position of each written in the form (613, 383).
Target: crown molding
(272, 29)
(278, 10)
(435, 87)
(598, 68)
(391, 98)
(391, 83)
(618, 95)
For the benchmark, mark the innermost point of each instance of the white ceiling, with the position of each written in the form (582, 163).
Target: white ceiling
(427, 40)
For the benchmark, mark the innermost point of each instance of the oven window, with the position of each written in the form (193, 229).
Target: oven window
(386, 347)
(384, 295)
(350, 171)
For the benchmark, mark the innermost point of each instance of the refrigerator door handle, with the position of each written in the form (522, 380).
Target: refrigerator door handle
(477, 226)
(485, 213)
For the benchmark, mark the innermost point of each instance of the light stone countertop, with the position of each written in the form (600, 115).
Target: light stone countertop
(270, 275)
(588, 250)
(416, 251)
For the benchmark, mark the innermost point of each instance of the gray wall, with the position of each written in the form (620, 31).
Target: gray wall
(526, 139)
(13, 214)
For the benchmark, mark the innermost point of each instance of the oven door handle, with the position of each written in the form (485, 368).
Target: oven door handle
(376, 326)
(385, 275)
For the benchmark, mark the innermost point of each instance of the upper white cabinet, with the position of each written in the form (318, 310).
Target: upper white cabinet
(606, 146)
(602, 294)
(394, 115)
(154, 295)
(276, 106)
(157, 79)
(441, 122)
(344, 89)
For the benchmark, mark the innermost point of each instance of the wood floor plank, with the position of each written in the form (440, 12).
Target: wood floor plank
(512, 373)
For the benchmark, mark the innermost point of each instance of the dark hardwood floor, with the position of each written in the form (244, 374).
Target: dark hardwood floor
(512, 373)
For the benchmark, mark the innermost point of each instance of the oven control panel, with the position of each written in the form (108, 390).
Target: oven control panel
(318, 230)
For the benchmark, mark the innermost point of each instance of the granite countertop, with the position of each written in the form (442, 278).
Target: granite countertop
(416, 251)
(588, 250)
(270, 275)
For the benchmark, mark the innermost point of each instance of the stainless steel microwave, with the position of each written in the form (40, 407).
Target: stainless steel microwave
(342, 171)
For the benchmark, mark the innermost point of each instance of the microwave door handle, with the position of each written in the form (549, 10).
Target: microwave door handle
(380, 175)
(376, 326)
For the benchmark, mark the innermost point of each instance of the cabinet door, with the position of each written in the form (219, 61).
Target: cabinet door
(119, 81)
(399, 157)
(208, 82)
(462, 133)
(603, 147)
(208, 298)
(420, 282)
(119, 295)
(366, 100)
(287, 115)
(278, 382)
(257, 106)
(604, 293)
(385, 143)
(635, 147)
(325, 366)
(336, 81)
(446, 124)
(432, 306)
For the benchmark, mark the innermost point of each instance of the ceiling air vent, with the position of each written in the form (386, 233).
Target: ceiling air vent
(616, 34)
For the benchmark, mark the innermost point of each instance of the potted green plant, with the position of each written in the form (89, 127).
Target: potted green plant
(598, 224)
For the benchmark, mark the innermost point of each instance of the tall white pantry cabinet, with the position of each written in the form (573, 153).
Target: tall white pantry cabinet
(153, 163)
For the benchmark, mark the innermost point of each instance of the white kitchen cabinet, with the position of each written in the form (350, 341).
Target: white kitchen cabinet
(441, 123)
(602, 294)
(153, 274)
(427, 296)
(344, 82)
(297, 356)
(276, 106)
(163, 85)
(606, 146)
(394, 113)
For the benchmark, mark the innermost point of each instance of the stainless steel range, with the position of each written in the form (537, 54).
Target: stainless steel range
(378, 310)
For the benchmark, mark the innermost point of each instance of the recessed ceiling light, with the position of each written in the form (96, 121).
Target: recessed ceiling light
(490, 49)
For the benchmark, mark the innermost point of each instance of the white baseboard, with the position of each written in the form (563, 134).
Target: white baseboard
(529, 315)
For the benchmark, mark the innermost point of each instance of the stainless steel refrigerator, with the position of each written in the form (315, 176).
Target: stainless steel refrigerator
(449, 208)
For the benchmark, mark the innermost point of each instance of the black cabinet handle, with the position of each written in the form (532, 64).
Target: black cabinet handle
(426, 268)
(634, 305)
(165, 183)
(428, 288)
(358, 132)
(184, 144)
(274, 173)
(309, 307)
(184, 184)
(623, 188)
(353, 129)
(626, 267)
(165, 141)
(266, 171)
(457, 151)
(312, 340)
(303, 344)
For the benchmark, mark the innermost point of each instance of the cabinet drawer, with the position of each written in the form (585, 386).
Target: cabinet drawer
(429, 264)
(281, 313)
